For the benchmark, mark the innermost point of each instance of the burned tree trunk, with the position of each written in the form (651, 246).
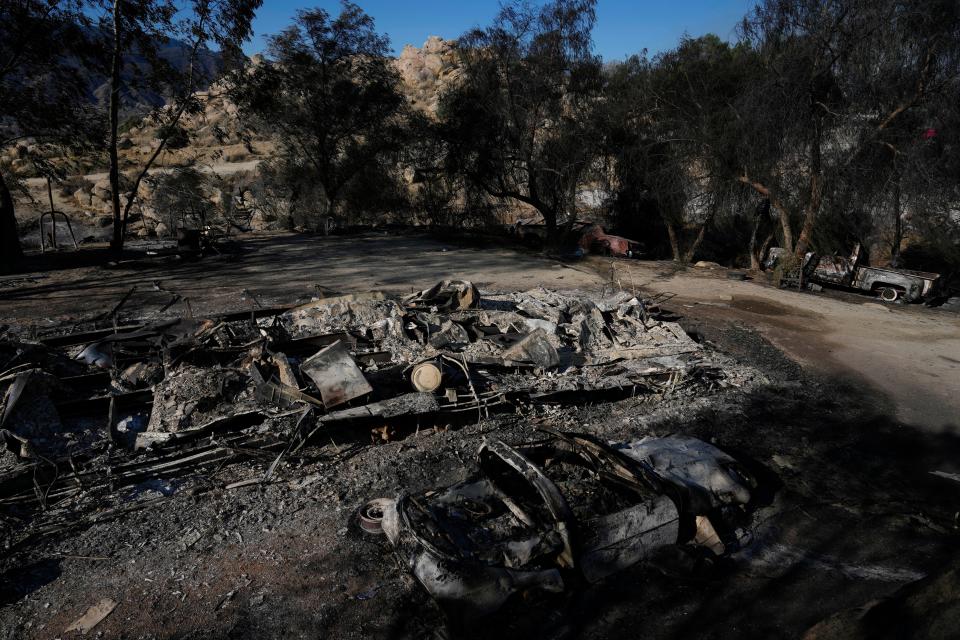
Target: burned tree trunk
(552, 240)
(701, 234)
(692, 251)
(674, 242)
(782, 213)
(815, 196)
(116, 242)
(897, 228)
(10, 251)
(761, 216)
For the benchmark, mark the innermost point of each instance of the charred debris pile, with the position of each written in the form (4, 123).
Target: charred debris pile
(86, 414)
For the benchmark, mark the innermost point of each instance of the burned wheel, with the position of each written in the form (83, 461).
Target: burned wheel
(888, 294)
(371, 515)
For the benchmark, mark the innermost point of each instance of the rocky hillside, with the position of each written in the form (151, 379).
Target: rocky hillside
(217, 143)
(216, 134)
(427, 71)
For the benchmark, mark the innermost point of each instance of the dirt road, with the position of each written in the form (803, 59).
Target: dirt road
(277, 270)
(909, 352)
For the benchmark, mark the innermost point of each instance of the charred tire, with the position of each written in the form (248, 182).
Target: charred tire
(371, 515)
(888, 294)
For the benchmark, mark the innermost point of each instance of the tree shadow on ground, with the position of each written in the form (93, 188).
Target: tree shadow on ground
(278, 270)
(19, 582)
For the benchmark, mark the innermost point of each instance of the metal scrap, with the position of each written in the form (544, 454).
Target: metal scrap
(94, 616)
(158, 399)
(337, 376)
(538, 514)
(534, 349)
(448, 295)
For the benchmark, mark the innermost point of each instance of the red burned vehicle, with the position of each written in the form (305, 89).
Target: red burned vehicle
(594, 239)
(585, 237)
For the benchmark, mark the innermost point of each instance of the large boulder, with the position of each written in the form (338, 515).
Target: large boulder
(83, 197)
(426, 71)
(101, 190)
(260, 222)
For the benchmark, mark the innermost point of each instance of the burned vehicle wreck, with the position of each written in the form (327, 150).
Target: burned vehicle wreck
(562, 512)
(853, 273)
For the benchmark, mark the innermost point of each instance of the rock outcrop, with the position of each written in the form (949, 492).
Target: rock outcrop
(427, 71)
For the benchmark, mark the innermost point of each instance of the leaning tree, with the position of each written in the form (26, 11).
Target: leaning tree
(133, 33)
(839, 81)
(670, 130)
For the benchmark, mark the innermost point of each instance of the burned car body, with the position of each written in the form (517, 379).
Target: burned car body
(853, 273)
(596, 240)
(584, 237)
(559, 512)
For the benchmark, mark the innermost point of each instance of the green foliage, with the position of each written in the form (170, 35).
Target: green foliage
(331, 99)
(519, 124)
(182, 195)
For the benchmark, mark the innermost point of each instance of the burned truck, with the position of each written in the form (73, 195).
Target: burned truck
(853, 273)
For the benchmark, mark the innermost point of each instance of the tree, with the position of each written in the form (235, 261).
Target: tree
(906, 71)
(670, 128)
(183, 194)
(839, 81)
(520, 122)
(331, 98)
(692, 89)
(136, 28)
(42, 97)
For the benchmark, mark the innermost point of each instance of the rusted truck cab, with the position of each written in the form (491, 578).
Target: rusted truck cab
(849, 273)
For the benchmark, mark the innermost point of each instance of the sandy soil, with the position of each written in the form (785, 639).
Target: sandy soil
(279, 270)
(909, 352)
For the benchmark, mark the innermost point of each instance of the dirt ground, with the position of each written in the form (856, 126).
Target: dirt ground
(909, 353)
(275, 270)
(857, 405)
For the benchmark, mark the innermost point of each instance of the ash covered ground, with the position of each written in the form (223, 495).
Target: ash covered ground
(846, 514)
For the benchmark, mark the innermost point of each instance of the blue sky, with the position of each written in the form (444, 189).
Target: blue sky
(624, 27)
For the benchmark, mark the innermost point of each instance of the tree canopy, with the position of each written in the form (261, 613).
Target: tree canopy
(520, 122)
(42, 97)
(329, 95)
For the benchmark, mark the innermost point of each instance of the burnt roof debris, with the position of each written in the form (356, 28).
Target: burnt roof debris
(88, 411)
